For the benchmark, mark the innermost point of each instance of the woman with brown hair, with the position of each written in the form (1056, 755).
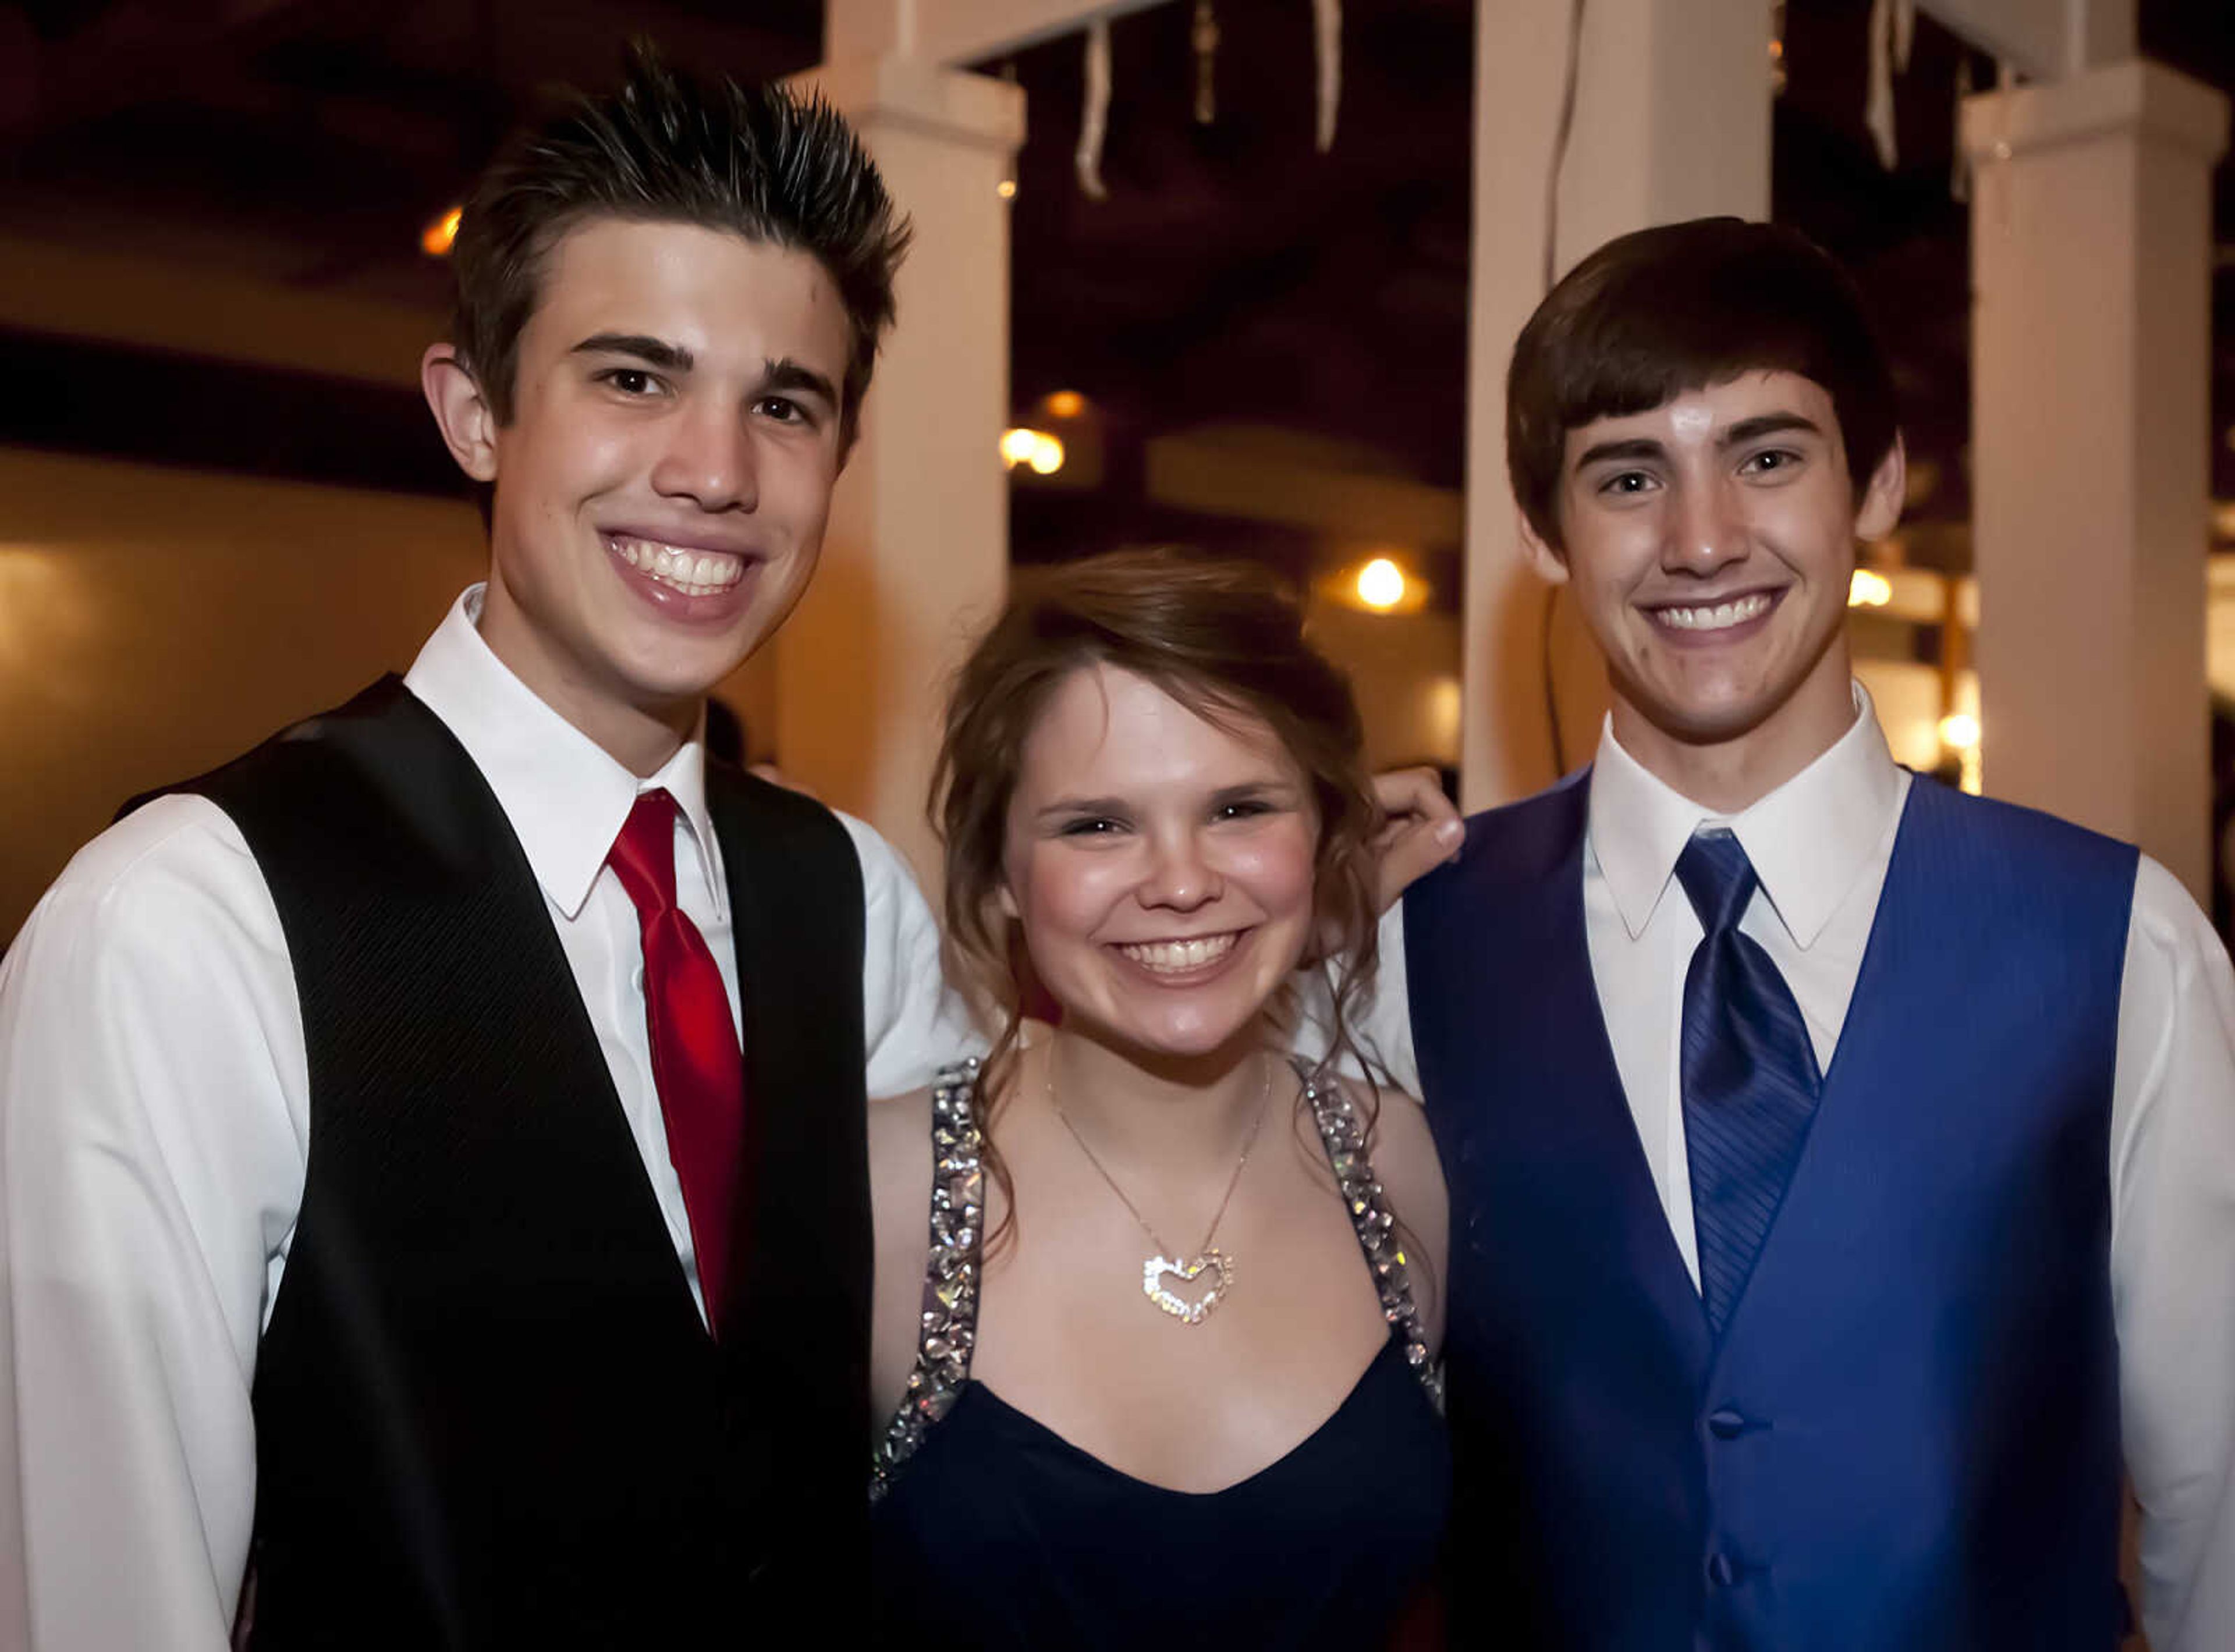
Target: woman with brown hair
(1160, 1363)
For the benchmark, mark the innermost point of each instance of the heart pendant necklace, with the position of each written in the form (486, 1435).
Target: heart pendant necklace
(1208, 1258)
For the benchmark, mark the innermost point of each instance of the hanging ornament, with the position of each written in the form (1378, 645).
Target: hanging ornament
(1959, 171)
(1878, 107)
(1893, 26)
(1205, 38)
(1094, 116)
(1326, 41)
(1007, 189)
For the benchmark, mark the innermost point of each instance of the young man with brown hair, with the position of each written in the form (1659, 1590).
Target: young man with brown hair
(399, 1250)
(1842, 1169)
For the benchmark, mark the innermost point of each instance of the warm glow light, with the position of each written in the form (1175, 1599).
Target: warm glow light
(1381, 585)
(1446, 699)
(1959, 731)
(1869, 590)
(1067, 404)
(1007, 189)
(435, 238)
(1037, 448)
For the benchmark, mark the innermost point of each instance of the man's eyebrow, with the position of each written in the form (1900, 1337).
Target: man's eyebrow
(653, 352)
(1633, 448)
(1764, 424)
(790, 375)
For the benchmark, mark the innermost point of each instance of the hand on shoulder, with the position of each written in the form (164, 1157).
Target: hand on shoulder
(1420, 829)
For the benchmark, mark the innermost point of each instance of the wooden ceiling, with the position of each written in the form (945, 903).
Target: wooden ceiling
(1234, 277)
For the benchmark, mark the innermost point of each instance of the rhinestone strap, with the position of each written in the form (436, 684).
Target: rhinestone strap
(949, 1323)
(1343, 1133)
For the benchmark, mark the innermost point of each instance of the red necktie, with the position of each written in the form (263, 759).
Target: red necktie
(695, 1060)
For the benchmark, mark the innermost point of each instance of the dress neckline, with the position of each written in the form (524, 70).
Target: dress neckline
(1391, 1350)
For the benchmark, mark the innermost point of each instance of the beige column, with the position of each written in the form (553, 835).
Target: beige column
(1671, 121)
(917, 551)
(2091, 259)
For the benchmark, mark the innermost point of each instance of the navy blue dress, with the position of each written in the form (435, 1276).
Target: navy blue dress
(991, 1531)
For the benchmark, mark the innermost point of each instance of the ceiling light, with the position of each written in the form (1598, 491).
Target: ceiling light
(1869, 589)
(1067, 404)
(1959, 731)
(435, 238)
(1381, 585)
(1037, 449)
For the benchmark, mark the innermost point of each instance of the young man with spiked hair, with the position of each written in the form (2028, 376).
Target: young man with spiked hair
(430, 1146)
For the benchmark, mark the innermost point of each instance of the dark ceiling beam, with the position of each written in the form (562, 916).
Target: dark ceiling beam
(138, 51)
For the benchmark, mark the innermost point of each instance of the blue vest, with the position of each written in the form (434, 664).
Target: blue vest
(1907, 1436)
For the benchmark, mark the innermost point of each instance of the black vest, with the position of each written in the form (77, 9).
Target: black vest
(487, 1413)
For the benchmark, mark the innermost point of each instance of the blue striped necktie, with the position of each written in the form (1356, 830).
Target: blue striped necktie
(1749, 1075)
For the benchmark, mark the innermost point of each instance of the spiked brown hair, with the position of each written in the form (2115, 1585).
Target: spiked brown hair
(755, 160)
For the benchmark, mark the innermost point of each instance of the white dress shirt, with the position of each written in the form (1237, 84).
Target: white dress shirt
(154, 1119)
(1820, 845)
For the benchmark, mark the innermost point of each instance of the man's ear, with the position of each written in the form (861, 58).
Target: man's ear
(1550, 563)
(461, 413)
(1880, 508)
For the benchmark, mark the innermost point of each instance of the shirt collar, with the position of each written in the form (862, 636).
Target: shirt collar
(1809, 840)
(565, 796)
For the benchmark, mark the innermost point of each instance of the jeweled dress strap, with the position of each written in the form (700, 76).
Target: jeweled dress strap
(949, 1324)
(1343, 1133)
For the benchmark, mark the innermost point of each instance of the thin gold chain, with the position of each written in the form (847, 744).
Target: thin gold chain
(1264, 1102)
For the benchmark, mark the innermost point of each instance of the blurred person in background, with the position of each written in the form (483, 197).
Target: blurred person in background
(402, 1248)
(1157, 1308)
(1842, 1169)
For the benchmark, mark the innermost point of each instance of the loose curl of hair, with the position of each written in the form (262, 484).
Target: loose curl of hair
(1224, 639)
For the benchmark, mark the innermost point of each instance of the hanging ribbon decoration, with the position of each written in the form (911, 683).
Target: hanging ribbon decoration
(1094, 118)
(1893, 27)
(1094, 115)
(1327, 42)
(1205, 41)
(1959, 170)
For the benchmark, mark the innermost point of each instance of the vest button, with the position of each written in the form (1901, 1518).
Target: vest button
(1726, 1423)
(1722, 1569)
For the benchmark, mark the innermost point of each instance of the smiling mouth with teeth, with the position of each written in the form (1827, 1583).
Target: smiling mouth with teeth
(695, 574)
(1722, 617)
(1179, 957)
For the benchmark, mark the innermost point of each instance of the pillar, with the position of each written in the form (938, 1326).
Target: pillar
(1671, 121)
(916, 555)
(2091, 264)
